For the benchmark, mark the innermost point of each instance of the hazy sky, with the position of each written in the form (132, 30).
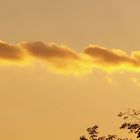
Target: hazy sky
(73, 22)
(38, 103)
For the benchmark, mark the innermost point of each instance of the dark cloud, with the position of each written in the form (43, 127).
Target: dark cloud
(108, 56)
(38, 49)
(10, 52)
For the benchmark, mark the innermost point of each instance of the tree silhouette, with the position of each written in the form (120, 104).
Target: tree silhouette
(131, 122)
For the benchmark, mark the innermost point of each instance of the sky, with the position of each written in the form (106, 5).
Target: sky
(66, 65)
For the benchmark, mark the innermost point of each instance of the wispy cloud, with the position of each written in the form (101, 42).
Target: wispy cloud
(64, 60)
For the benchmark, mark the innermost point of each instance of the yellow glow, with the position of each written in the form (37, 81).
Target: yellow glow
(61, 59)
(79, 67)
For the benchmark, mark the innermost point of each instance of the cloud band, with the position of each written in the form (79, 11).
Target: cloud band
(64, 60)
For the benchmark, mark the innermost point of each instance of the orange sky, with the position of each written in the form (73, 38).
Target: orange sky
(87, 75)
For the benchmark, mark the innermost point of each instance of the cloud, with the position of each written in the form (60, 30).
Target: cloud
(107, 56)
(58, 58)
(113, 59)
(52, 50)
(64, 60)
(10, 52)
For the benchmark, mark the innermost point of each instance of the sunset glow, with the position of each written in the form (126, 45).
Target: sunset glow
(63, 60)
(66, 65)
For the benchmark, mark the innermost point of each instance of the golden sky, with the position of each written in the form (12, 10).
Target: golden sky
(65, 65)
